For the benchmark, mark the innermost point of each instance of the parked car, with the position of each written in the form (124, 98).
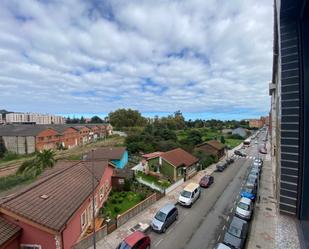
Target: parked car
(222, 246)
(189, 194)
(248, 193)
(221, 166)
(258, 161)
(164, 218)
(255, 171)
(240, 153)
(251, 181)
(244, 208)
(136, 240)
(236, 234)
(206, 181)
(263, 150)
(231, 160)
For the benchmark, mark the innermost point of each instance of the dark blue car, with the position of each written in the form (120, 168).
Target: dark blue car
(249, 193)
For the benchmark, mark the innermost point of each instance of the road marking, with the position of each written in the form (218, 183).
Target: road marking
(227, 218)
(232, 208)
(169, 230)
(234, 203)
(223, 228)
(219, 237)
(156, 244)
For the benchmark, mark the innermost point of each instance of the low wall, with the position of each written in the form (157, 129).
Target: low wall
(150, 185)
(88, 241)
(175, 185)
(124, 217)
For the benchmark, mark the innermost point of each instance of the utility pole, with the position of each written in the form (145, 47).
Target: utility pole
(93, 208)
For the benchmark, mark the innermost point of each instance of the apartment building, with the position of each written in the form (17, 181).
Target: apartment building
(33, 118)
(290, 109)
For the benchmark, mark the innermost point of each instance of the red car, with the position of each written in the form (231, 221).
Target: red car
(206, 181)
(136, 240)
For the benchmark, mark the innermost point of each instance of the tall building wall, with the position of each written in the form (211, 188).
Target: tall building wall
(36, 118)
(289, 98)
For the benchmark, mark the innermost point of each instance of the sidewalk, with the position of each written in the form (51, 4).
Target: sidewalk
(264, 223)
(270, 229)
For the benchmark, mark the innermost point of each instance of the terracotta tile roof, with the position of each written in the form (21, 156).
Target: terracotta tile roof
(52, 200)
(108, 153)
(179, 157)
(7, 231)
(214, 143)
(152, 155)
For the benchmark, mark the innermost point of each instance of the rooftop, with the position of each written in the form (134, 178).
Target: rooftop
(7, 231)
(53, 199)
(107, 153)
(179, 157)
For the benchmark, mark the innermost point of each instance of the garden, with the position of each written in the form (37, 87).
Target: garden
(120, 201)
(153, 180)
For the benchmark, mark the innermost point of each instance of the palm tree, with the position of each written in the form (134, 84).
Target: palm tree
(46, 159)
(43, 160)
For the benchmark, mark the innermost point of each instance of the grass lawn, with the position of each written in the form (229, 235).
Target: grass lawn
(119, 202)
(232, 143)
(153, 179)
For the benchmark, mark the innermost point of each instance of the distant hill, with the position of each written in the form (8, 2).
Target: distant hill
(4, 111)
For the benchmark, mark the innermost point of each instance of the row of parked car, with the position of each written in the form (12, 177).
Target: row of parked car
(167, 215)
(221, 166)
(236, 235)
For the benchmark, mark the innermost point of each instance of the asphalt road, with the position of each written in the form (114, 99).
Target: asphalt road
(203, 225)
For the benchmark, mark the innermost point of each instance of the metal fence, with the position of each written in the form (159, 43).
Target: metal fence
(123, 218)
(88, 241)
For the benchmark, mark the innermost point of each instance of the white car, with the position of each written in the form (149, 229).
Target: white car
(189, 194)
(244, 208)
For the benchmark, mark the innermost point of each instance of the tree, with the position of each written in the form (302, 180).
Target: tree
(96, 120)
(222, 140)
(2, 148)
(194, 137)
(82, 120)
(126, 118)
(34, 167)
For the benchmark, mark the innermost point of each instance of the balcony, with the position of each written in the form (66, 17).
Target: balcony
(272, 88)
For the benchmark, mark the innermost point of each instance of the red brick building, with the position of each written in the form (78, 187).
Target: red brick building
(48, 138)
(212, 147)
(56, 210)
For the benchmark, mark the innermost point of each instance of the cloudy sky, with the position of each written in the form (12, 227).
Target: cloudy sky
(203, 57)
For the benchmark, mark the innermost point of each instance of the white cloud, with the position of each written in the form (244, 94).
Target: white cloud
(96, 56)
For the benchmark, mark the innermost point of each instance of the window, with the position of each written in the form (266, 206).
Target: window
(101, 193)
(121, 181)
(83, 220)
(27, 246)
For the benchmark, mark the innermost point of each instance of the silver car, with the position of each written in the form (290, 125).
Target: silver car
(164, 218)
(244, 208)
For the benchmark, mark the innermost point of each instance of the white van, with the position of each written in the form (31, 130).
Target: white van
(189, 194)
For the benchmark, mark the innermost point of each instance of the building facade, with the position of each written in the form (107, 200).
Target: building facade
(33, 118)
(56, 210)
(289, 109)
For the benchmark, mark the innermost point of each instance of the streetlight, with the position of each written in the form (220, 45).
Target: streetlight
(93, 208)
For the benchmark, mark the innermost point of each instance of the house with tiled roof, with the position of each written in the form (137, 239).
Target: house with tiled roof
(174, 164)
(55, 211)
(212, 147)
(116, 155)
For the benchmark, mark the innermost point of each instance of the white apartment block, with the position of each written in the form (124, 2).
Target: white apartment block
(36, 118)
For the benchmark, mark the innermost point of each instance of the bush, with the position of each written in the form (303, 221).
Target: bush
(113, 200)
(8, 156)
(127, 185)
(11, 181)
(117, 209)
(142, 196)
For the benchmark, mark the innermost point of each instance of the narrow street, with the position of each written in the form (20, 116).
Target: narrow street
(203, 225)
